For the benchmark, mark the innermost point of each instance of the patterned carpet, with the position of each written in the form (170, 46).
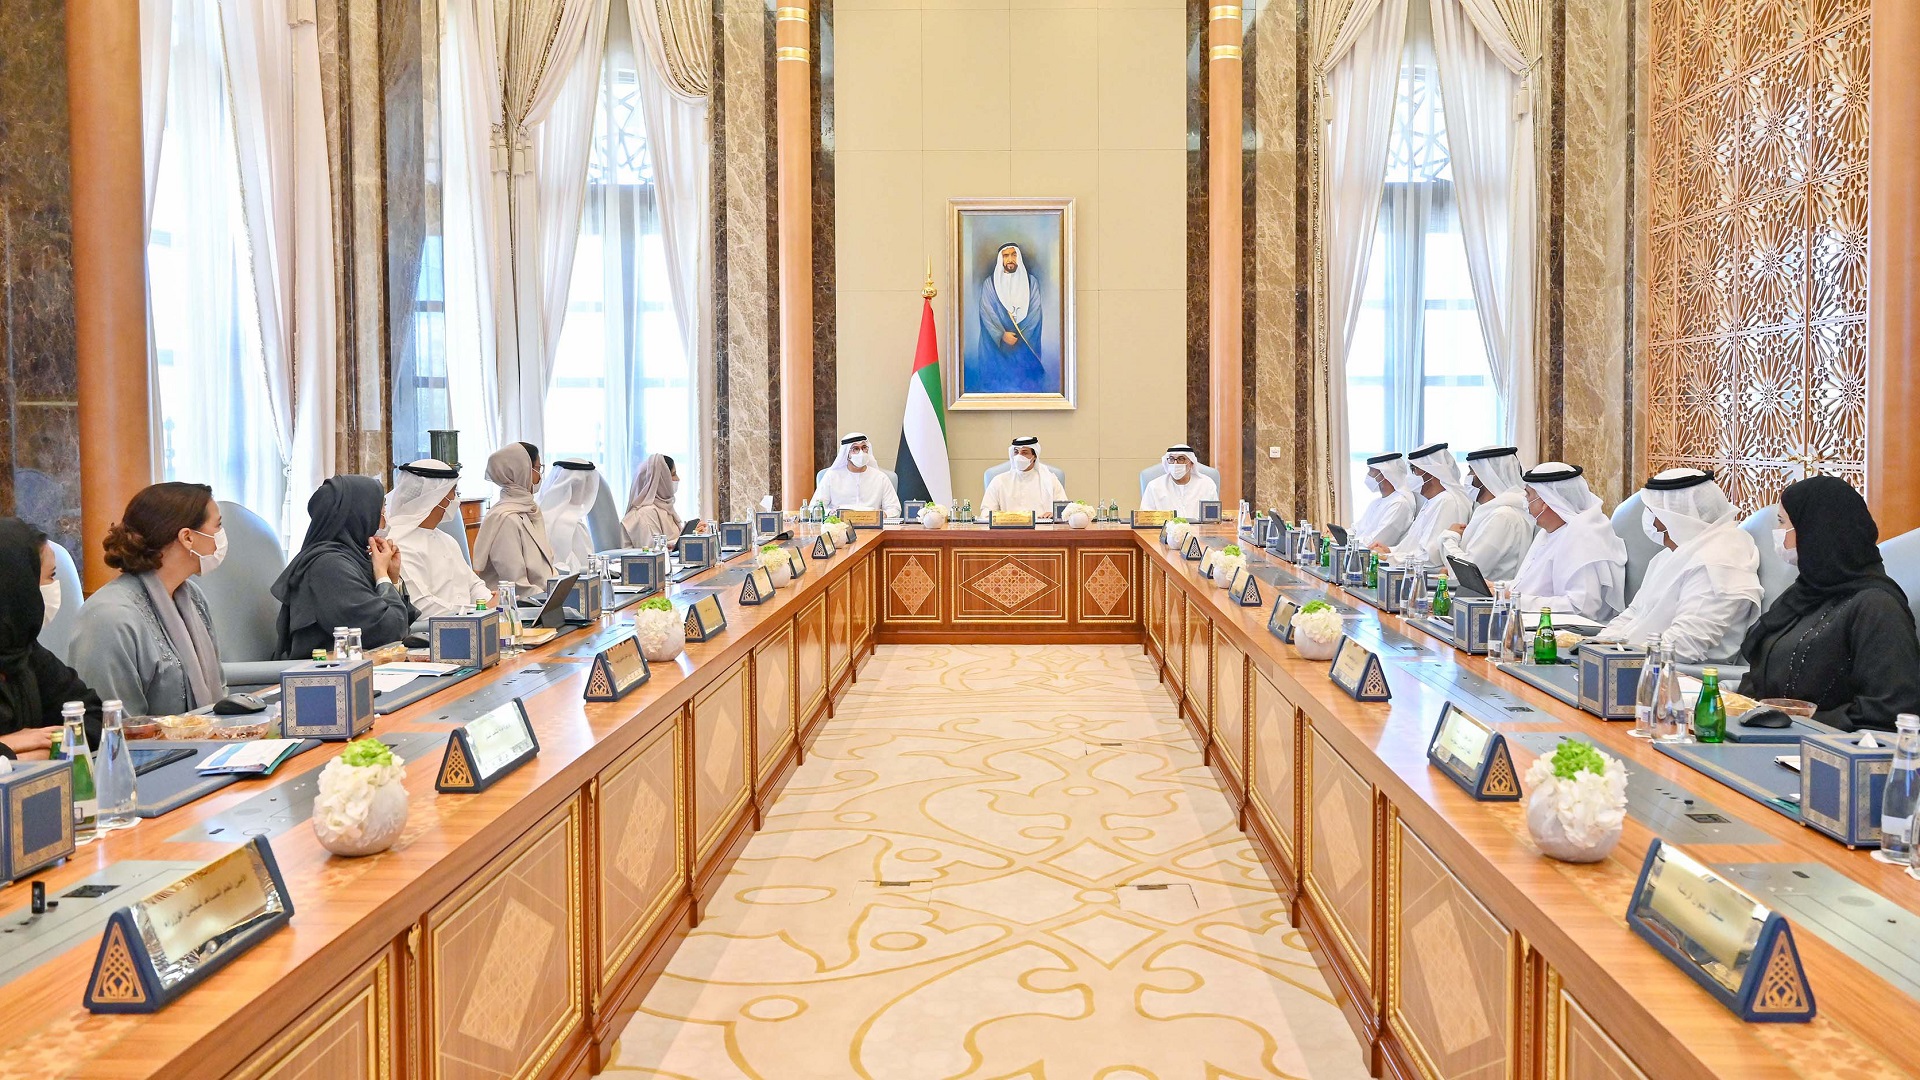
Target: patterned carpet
(997, 862)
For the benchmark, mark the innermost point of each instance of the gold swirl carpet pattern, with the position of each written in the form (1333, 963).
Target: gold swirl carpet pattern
(997, 862)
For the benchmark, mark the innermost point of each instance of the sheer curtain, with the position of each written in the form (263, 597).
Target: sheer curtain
(1487, 50)
(215, 412)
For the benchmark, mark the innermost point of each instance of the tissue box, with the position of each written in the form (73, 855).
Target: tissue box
(586, 596)
(36, 816)
(1610, 679)
(643, 570)
(327, 699)
(470, 639)
(1841, 785)
(1473, 626)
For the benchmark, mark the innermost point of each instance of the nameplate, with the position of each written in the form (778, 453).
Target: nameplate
(1195, 550)
(705, 618)
(861, 519)
(823, 547)
(1011, 519)
(1473, 755)
(910, 510)
(734, 535)
(757, 588)
(766, 522)
(696, 550)
(1209, 511)
(1280, 619)
(796, 562)
(487, 748)
(1150, 519)
(1737, 948)
(1359, 672)
(1245, 588)
(617, 670)
(157, 948)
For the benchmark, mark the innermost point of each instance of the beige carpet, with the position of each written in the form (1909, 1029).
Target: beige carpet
(998, 861)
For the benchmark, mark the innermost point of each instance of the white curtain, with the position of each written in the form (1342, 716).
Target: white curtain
(1409, 206)
(1487, 50)
(1357, 59)
(473, 225)
(273, 62)
(681, 145)
(156, 53)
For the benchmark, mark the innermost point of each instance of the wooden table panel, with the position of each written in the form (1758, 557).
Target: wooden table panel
(1199, 670)
(773, 692)
(1273, 743)
(1450, 1010)
(1106, 586)
(721, 761)
(810, 664)
(912, 589)
(1230, 712)
(1019, 585)
(1340, 847)
(352, 1035)
(1576, 1047)
(860, 601)
(839, 633)
(640, 847)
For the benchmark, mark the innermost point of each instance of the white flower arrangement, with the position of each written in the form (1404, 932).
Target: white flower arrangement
(1225, 562)
(933, 516)
(1576, 802)
(1079, 515)
(361, 805)
(660, 631)
(1177, 532)
(779, 566)
(1321, 625)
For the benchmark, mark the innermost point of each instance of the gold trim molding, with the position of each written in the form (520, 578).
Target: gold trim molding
(1223, 11)
(790, 14)
(793, 52)
(1224, 52)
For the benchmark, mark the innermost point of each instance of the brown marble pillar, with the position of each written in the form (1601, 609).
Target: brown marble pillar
(109, 265)
(793, 113)
(1226, 418)
(1893, 277)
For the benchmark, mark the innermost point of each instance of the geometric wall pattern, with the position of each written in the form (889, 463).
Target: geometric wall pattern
(1757, 283)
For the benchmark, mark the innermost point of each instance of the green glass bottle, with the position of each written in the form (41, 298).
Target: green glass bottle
(1546, 647)
(1442, 603)
(1326, 551)
(86, 802)
(1373, 570)
(1709, 712)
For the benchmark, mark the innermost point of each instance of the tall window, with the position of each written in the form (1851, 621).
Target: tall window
(216, 421)
(624, 383)
(1418, 370)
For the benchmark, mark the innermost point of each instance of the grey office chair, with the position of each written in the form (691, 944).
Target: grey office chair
(1775, 574)
(244, 610)
(821, 478)
(453, 526)
(1902, 556)
(603, 519)
(57, 635)
(1640, 550)
(986, 478)
(1147, 474)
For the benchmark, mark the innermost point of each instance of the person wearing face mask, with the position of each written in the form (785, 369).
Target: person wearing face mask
(512, 544)
(565, 499)
(438, 578)
(1444, 504)
(1703, 591)
(146, 637)
(34, 684)
(650, 511)
(854, 482)
(1026, 486)
(345, 574)
(1577, 564)
(1497, 537)
(1181, 487)
(1842, 635)
(1386, 519)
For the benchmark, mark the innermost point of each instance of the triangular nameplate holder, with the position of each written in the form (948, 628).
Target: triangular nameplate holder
(1245, 588)
(797, 563)
(1280, 619)
(617, 670)
(1358, 671)
(705, 619)
(1473, 755)
(487, 748)
(823, 547)
(756, 587)
(456, 768)
(1195, 551)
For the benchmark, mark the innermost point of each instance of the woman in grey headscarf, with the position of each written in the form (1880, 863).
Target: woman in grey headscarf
(146, 638)
(512, 545)
(650, 511)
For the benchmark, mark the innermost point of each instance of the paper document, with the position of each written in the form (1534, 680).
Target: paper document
(254, 756)
(419, 667)
(386, 682)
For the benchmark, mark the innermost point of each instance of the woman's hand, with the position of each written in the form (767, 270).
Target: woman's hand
(386, 559)
(28, 740)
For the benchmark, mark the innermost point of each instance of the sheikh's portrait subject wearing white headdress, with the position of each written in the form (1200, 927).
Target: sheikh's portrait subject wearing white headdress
(567, 494)
(1181, 487)
(1004, 355)
(1702, 591)
(1026, 486)
(1499, 533)
(438, 579)
(1577, 564)
(1386, 519)
(855, 482)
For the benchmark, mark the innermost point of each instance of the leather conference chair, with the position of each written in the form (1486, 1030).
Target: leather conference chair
(239, 596)
(603, 518)
(1640, 550)
(1775, 574)
(57, 635)
(456, 528)
(1902, 556)
(1147, 474)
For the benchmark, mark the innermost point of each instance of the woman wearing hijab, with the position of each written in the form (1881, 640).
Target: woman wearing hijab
(565, 500)
(345, 574)
(437, 577)
(1577, 565)
(1702, 592)
(1497, 537)
(512, 545)
(34, 684)
(146, 638)
(1842, 636)
(650, 511)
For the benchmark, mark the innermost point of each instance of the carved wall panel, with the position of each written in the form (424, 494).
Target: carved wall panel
(1757, 358)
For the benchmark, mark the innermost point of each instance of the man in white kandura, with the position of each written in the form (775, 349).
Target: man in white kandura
(1702, 592)
(1026, 486)
(1181, 487)
(435, 571)
(854, 482)
(567, 494)
(1386, 519)
(1498, 536)
(1446, 505)
(1577, 565)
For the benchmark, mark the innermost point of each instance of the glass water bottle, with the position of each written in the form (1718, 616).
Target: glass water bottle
(1670, 705)
(1646, 695)
(73, 744)
(119, 802)
(1902, 795)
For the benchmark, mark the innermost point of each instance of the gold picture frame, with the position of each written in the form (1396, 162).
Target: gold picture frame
(995, 361)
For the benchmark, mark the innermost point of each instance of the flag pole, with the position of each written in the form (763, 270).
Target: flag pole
(929, 291)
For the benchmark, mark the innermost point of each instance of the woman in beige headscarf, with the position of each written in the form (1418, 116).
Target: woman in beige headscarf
(650, 511)
(512, 545)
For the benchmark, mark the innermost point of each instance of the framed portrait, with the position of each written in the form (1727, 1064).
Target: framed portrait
(1011, 335)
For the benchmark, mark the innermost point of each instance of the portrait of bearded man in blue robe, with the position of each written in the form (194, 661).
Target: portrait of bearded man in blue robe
(1005, 355)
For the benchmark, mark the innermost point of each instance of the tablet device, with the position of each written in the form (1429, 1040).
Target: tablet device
(692, 525)
(1467, 578)
(552, 613)
(1338, 533)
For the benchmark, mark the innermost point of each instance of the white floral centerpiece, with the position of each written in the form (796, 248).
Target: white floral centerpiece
(659, 629)
(1079, 515)
(1316, 630)
(838, 530)
(933, 516)
(1229, 559)
(1177, 531)
(362, 802)
(774, 558)
(1576, 802)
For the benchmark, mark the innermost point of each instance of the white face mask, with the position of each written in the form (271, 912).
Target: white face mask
(1177, 470)
(50, 599)
(1653, 531)
(1022, 462)
(210, 563)
(1373, 483)
(1788, 555)
(859, 458)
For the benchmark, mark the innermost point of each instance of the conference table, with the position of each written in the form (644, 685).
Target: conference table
(510, 932)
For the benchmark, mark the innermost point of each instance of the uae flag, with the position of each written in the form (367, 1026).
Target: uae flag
(922, 461)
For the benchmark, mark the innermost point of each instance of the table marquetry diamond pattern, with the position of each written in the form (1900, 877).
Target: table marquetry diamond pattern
(508, 976)
(1008, 585)
(912, 585)
(1107, 586)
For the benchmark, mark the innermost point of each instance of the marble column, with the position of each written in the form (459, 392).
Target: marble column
(793, 112)
(1225, 307)
(109, 265)
(1893, 276)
